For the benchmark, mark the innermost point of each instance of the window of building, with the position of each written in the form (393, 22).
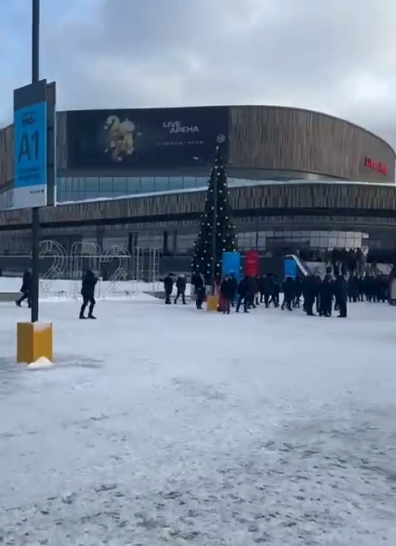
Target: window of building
(69, 189)
(89, 188)
(175, 183)
(201, 182)
(147, 240)
(120, 186)
(76, 191)
(185, 242)
(147, 185)
(246, 240)
(133, 185)
(261, 240)
(189, 182)
(121, 242)
(161, 183)
(105, 187)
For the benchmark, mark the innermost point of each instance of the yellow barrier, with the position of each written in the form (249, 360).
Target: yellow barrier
(34, 341)
(212, 303)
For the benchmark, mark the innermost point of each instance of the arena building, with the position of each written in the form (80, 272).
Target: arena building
(137, 178)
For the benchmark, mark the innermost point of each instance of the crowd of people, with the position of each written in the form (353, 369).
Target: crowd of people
(309, 293)
(316, 296)
(348, 261)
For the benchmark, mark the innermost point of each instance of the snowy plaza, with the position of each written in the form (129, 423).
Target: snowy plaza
(166, 425)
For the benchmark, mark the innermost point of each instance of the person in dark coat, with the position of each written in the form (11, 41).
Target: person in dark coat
(341, 291)
(243, 294)
(181, 285)
(26, 290)
(233, 288)
(326, 296)
(267, 286)
(317, 283)
(168, 287)
(226, 294)
(361, 288)
(88, 293)
(251, 292)
(261, 287)
(353, 288)
(297, 292)
(276, 289)
(258, 292)
(369, 287)
(309, 293)
(288, 294)
(199, 289)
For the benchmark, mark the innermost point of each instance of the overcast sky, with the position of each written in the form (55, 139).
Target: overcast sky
(336, 56)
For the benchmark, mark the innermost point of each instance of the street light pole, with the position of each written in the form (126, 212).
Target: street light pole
(35, 40)
(36, 210)
(214, 235)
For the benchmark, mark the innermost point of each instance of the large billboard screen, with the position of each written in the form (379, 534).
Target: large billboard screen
(146, 139)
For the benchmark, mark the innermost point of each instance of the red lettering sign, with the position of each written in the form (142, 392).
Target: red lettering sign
(376, 166)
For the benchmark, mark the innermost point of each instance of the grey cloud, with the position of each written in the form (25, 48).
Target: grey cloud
(177, 52)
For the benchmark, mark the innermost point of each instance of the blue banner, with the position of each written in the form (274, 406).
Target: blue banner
(290, 268)
(30, 155)
(231, 264)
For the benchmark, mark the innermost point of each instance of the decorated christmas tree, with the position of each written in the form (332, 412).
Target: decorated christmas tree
(217, 232)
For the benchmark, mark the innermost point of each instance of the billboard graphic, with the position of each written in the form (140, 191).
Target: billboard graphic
(147, 138)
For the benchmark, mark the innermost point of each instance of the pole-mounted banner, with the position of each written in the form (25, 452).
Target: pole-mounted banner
(34, 152)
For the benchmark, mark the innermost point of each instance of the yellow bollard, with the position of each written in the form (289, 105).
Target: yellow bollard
(34, 341)
(212, 303)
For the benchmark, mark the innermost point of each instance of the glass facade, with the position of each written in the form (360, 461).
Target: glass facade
(322, 240)
(72, 189)
(273, 240)
(87, 188)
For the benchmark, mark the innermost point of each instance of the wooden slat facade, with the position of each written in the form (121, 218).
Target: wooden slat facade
(375, 199)
(6, 156)
(267, 137)
(61, 141)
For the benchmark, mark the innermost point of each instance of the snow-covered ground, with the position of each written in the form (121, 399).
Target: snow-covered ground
(165, 425)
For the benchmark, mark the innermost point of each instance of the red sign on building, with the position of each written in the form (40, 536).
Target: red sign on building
(376, 166)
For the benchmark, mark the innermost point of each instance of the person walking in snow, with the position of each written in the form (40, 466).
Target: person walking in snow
(233, 286)
(226, 295)
(88, 293)
(198, 282)
(168, 287)
(326, 296)
(243, 295)
(26, 290)
(341, 291)
(181, 285)
(288, 294)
